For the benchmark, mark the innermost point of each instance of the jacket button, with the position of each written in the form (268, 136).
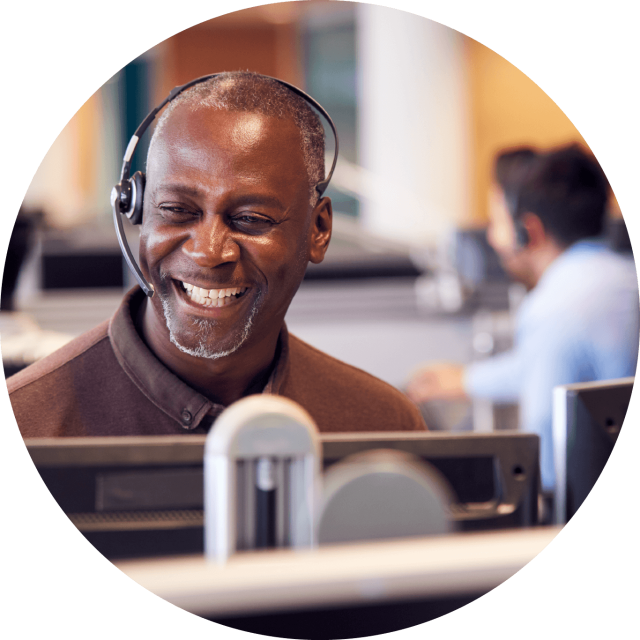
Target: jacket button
(187, 418)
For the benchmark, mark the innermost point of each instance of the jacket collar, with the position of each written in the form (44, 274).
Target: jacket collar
(190, 409)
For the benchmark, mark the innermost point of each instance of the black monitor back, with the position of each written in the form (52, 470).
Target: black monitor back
(143, 496)
(587, 421)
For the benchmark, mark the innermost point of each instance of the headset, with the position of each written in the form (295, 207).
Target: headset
(128, 195)
(522, 235)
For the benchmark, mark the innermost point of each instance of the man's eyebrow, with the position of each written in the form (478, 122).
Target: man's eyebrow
(182, 189)
(255, 198)
(236, 201)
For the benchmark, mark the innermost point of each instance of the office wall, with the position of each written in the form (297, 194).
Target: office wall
(413, 125)
(73, 183)
(230, 43)
(65, 182)
(507, 109)
(502, 108)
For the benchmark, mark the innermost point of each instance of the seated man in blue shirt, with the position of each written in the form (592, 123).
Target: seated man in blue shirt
(580, 319)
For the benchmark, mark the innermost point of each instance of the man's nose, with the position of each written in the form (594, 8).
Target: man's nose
(212, 243)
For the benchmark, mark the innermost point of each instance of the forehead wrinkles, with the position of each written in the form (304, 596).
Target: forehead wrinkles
(248, 145)
(199, 132)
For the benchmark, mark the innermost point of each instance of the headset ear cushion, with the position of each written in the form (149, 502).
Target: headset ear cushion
(135, 212)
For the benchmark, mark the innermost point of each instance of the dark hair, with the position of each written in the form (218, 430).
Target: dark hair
(510, 169)
(568, 191)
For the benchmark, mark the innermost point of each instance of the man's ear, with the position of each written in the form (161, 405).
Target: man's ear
(320, 232)
(535, 230)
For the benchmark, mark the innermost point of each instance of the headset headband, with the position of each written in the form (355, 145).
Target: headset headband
(126, 196)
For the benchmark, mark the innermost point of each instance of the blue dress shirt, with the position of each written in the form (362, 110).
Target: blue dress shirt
(581, 322)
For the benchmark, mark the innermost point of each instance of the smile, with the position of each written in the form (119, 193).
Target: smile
(213, 297)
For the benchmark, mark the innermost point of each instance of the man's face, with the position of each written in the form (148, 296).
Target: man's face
(227, 229)
(501, 235)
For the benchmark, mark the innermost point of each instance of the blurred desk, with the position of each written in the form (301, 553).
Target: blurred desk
(373, 324)
(72, 311)
(459, 567)
(376, 325)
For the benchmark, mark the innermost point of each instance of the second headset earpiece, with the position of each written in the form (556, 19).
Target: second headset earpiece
(522, 235)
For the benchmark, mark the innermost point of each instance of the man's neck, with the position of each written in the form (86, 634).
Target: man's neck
(222, 380)
(543, 258)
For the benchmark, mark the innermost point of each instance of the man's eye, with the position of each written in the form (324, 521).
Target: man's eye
(175, 211)
(252, 221)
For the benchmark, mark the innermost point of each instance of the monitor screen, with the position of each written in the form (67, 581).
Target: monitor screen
(143, 496)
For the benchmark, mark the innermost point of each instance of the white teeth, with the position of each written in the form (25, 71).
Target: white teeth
(211, 297)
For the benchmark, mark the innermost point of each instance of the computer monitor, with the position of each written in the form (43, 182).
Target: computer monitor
(494, 476)
(143, 496)
(587, 418)
(617, 235)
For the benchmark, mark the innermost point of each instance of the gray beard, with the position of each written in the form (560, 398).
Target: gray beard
(202, 330)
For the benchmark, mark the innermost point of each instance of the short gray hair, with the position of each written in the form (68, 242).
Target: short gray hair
(251, 92)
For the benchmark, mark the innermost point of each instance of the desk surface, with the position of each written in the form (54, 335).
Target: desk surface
(286, 580)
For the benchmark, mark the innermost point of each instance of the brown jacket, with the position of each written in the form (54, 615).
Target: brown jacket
(107, 382)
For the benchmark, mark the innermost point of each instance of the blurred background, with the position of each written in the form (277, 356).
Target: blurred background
(421, 112)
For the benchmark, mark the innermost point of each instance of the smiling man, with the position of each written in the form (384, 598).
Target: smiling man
(231, 218)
